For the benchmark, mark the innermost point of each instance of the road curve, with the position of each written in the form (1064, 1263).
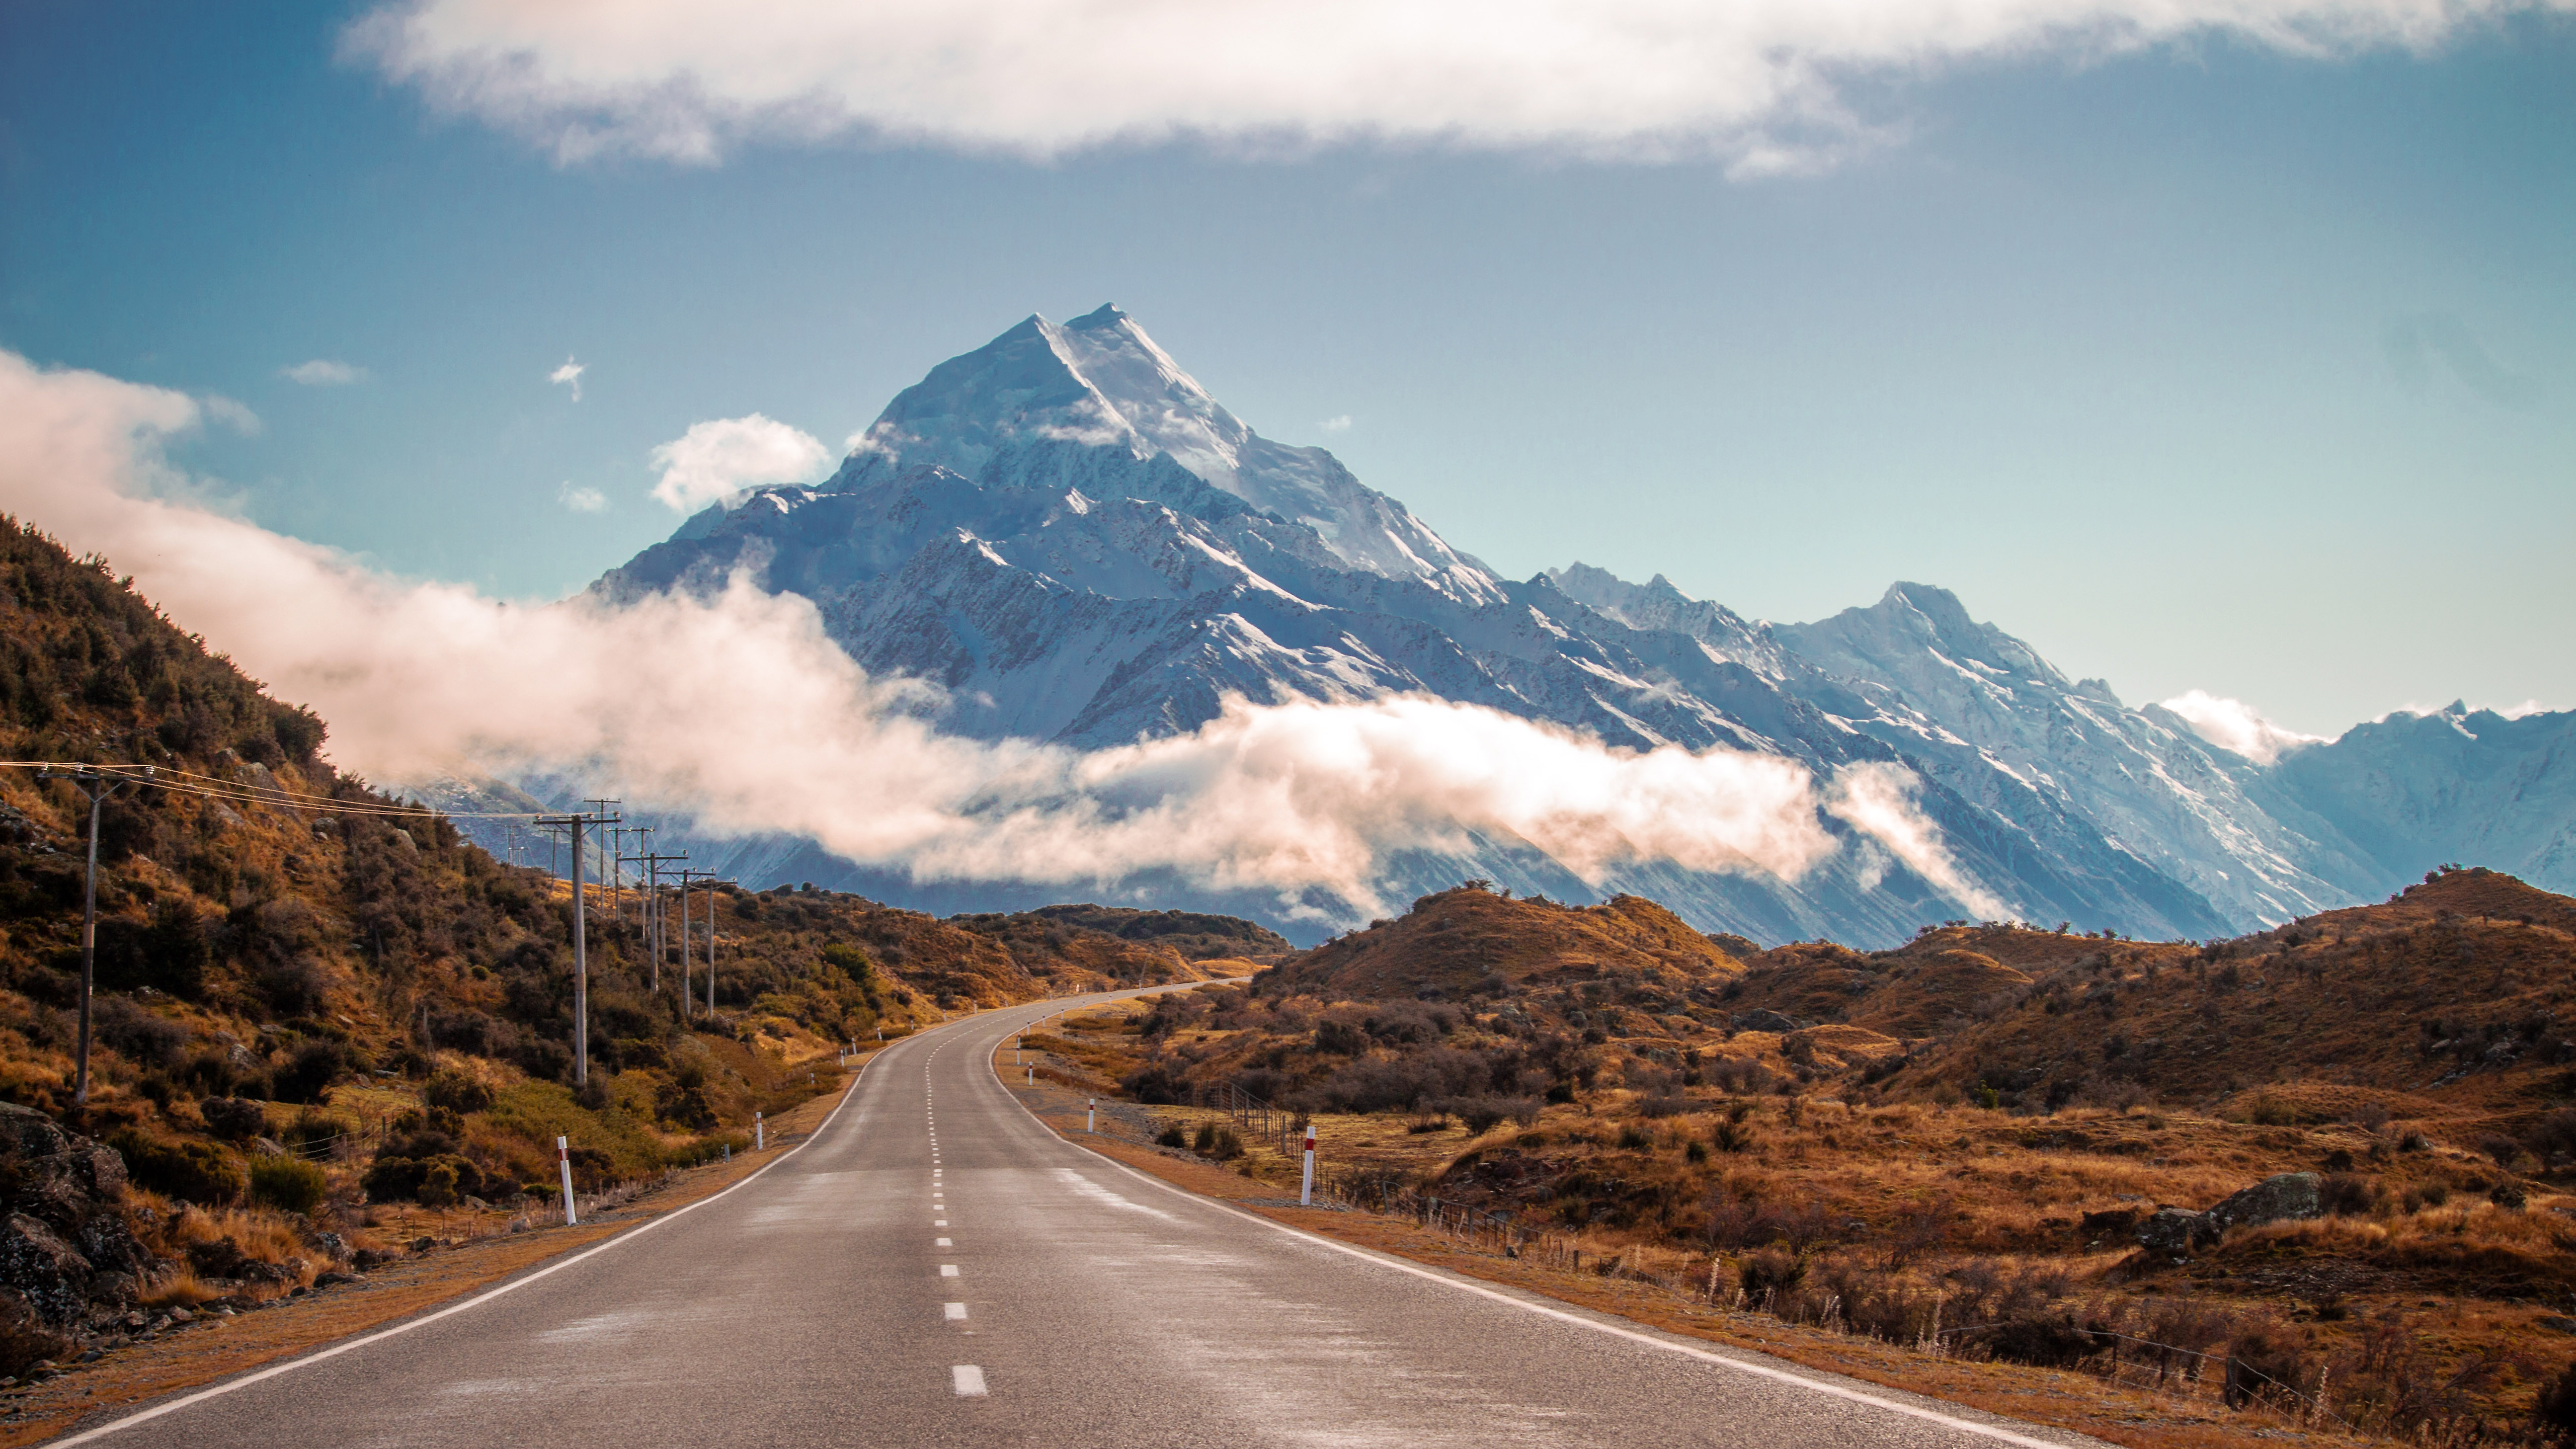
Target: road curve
(935, 1267)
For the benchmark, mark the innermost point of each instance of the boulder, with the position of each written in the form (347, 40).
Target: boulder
(2289, 1196)
(48, 1273)
(62, 1219)
(2175, 1232)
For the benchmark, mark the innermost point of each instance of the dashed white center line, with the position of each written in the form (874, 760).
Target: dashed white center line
(943, 1243)
(968, 1380)
(947, 1270)
(939, 1222)
(956, 1312)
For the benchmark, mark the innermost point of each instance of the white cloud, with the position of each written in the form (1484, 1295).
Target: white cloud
(2232, 724)
(758, 722)
(1877, 799)
(1341, 424)
(569, 375)
(1758, 82)
(581, 500)
(324, 372)
(714, 460)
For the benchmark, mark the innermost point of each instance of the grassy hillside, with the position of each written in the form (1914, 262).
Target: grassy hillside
(1971, 1133)
(321, 1013)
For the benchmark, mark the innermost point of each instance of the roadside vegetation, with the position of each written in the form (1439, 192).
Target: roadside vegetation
(328, 1029)
(1998, 1143)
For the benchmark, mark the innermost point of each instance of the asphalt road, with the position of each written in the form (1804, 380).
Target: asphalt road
(934, 1267)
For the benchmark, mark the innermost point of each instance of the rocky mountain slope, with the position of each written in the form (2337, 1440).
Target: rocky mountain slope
(1071, 536)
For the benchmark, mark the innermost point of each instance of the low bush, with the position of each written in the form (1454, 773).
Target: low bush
(289, 1184)
(200, 1172)
(457, 1092)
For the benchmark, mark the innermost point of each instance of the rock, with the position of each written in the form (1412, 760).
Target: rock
(222, 1258)
(367, 1258)
(236, 1119)
(64, 1238)
(423, 1245)
(50, 1273)
(333, 1246)
(2283, 1198)
(182, 1315)
(333, 1280)
(1764, 1019)
(2557, 1323)
(2175, 1231)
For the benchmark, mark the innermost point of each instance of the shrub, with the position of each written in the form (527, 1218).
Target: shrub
(2263, 1363)
(1773, 1270)
(288, 1183)
(201, 1172)
(2508, 1195)
(308, 1075)
(1172, 1136)
(458, 1093)
(1219, 1142)
(436, 1180)
(2344, 1194)
(236, 1119)
(2553, 1413)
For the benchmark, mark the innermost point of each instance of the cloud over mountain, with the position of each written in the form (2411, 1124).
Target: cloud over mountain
(755, 721)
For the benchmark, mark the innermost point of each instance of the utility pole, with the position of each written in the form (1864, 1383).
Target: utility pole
(688, 1007)
(659, 943)
(95, 786)
(711, 950)
(580, 944)
(599, 811)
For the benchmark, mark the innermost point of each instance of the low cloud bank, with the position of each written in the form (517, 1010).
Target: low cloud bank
(738, 710)
(2232, 724)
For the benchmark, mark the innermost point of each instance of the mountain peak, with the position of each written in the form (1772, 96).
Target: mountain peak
(1099, 389)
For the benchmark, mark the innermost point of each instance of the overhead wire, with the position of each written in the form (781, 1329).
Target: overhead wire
(185, 782)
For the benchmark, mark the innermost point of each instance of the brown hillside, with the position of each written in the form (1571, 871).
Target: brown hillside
(2445, 991)
(1470, 942)
(330, 1022)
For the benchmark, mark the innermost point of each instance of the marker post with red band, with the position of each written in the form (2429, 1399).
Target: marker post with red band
(1306, 1190)
(563, 1157)
(1091, 1115)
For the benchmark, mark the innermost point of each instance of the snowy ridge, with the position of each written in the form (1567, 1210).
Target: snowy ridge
(1079, 544)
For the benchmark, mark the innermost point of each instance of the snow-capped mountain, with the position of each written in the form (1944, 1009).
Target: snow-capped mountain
(1070, 535)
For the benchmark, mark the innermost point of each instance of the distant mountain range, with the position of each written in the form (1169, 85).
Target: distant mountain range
(1065, 530)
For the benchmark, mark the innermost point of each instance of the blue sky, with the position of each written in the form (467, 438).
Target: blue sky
(2201, 364)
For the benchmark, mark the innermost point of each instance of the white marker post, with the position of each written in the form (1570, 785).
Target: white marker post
(563, 1156)
(1306, 1190)
(1090, 1116)
(1033, 1076)
(759, 1131)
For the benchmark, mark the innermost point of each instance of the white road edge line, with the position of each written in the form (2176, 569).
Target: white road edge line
(848, 1095)
(1857, 1396)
